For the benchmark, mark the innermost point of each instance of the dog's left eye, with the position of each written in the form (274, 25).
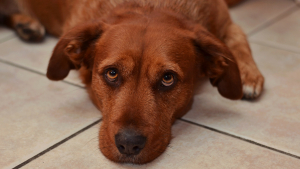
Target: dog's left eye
(168, 79)
(112, 75)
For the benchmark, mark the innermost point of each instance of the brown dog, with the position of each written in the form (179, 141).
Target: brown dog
(140, 61)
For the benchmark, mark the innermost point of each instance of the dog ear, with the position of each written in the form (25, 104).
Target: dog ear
(218, 63)
(74, 49)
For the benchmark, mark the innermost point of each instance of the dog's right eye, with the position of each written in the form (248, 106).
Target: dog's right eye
(167, 80)
(111, 75)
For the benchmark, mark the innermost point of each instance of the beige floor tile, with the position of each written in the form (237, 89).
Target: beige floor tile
(5, 34)
(284, 33)
(192, 147)
(252, 14)
(37, 113)
(34, 56)
(273, 119)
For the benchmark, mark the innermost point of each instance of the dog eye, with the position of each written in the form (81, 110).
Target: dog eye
(112, 75)
(168, 79)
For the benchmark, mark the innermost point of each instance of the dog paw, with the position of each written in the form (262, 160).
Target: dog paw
(31, 31)
(253, 82)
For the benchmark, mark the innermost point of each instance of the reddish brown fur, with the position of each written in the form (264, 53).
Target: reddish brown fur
(232, 2)
(143, 40)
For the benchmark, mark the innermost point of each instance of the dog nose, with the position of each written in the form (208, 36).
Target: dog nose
(129, 142)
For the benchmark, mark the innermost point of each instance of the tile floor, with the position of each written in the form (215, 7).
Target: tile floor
(38, 129)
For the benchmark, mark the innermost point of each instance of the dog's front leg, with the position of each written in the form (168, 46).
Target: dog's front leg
(26, 27)
(252, 79)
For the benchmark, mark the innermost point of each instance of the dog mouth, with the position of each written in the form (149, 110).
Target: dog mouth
(145, 156)
(130, 159)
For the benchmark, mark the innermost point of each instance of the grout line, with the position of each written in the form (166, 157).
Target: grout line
(274, 20)
(34, 71)
(241, 138)
(56, 145)
(275, 46)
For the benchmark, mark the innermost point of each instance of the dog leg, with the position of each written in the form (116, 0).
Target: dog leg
(252, 79)
(27, 28)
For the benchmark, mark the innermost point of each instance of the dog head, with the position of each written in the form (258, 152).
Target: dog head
(142, 69)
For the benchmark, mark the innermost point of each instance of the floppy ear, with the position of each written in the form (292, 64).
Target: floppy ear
(74, 49)
(218, 63)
